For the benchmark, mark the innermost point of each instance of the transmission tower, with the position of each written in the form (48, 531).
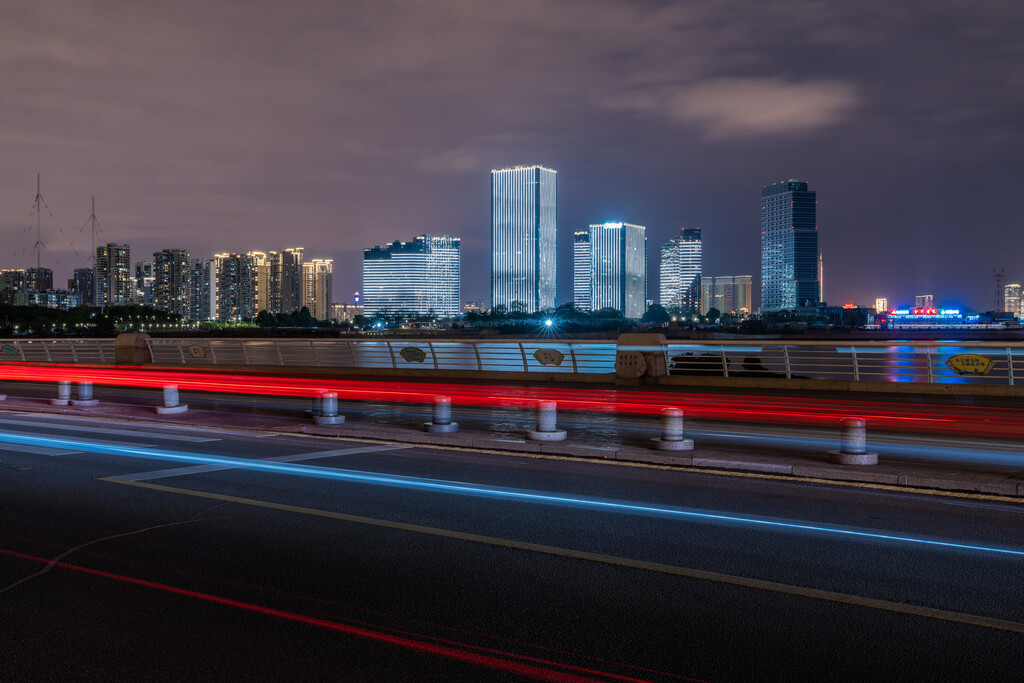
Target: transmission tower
(999, 302)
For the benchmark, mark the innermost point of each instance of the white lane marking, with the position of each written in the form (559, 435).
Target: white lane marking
(12, 439)
(297, 457)
(107, 430)
(36, 450)
(162, 425)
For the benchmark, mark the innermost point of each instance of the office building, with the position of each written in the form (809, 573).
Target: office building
(729, 294)
(881, 305)
(581, 269)
(681, 266)
(291, 280)
(617, 272)
(345, 313)
(1011, 300)
(789, 247)
(172, 281)
(203, 305)
(38, 279)
(115, 285)
(422, 276)
(924, 301)
(316, 285)
(236, 287)
(523, 221)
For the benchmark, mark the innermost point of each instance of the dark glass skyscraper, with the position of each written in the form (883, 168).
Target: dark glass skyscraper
(789, 246)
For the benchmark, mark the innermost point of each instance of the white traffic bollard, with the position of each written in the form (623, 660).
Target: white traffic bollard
(63, 394)
(329, 410)
(85, 399)
(853, 444)
(672, 432)
(442, 423)
(547, 416)
(171, 405)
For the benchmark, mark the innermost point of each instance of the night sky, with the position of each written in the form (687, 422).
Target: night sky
(260, 125)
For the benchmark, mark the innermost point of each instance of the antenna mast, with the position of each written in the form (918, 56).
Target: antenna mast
(95, 263)
(38, 206)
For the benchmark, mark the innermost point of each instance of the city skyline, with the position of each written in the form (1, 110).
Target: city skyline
(211, 125)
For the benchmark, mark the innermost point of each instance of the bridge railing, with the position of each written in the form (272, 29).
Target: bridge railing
(983, 363)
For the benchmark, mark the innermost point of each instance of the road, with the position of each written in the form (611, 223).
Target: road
(189, 554)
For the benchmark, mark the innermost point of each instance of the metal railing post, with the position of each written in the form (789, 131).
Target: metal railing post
(316, 356)
(725, 362)
(856, 366)
(479, 361)
(1009, 365)
(391, 352)
(522, 350)
(181, 352)
(785, 355)
(572, 355)
(928, 357)
(433, 354)
(46, 348)
(280, 356)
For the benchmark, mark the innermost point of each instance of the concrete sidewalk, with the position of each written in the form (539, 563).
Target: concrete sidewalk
(1007, 482)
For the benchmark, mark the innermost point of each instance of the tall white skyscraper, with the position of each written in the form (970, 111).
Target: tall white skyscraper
(581, 269)
(523, 219)
(617, 272)
(114, 286)
(421, 276)
(681, 266)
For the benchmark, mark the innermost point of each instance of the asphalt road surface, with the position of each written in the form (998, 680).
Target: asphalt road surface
(135, 552)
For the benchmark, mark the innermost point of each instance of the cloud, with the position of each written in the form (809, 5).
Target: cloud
(725, 108)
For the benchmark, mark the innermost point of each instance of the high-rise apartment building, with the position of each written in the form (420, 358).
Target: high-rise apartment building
(204, 290)
(924, 301)
(276, 263)
(83, 283)
(261, 263)
(38, 279)
(421, 276)
(881, 305)
(729, 294)
(143, 293)
(13, 287)
(316, 282)
(236, 287)
(114, 283)
(172, 281)
(523, 221)
(581, 269)
(291, 280)
(681, 266)
(789, 247)
(1012, 301)
(617, 273)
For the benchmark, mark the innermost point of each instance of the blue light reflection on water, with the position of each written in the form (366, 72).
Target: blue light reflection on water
(461, 488)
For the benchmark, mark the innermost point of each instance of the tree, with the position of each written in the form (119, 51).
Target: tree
(656, 314)
(712, 315)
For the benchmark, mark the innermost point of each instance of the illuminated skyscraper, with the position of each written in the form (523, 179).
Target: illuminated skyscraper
(523, 218)
(789, 247)
(729, 294)
(262, 265)
(681, 266)
(291, 280)
(1011, 300)
(236, 287)
(617, 273)
(581, 269)
(421, 276)
(204, 290)
(38, 279)
(84, 284)
(316, 284)
(172, 281)
(881, 305)
(114, 282)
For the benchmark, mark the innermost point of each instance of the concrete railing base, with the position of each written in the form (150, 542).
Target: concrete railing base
(843, 458)
(329, 419)
(672, 445)
(85, 403)
(554, 435)
(171, 410)
(435, 428)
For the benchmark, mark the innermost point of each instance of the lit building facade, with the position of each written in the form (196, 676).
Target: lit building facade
(83, 283)
(204, 290)
(789, 247)
(1011, 300)
(275, 263)
(523, 222)
(924, 301)
(38, 279)
(729, 294)
(618, 268)
(172, 281)
(421, 276)
(881, 304)
(261, 263)
(13, 287)
(681, 266)
(316, 283)
(581, 269)
(345, 312)
(143, 282)
(115, 285)
(236, 287)
(291, 280)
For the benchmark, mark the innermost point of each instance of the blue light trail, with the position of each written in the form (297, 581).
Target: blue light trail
(461, 488)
